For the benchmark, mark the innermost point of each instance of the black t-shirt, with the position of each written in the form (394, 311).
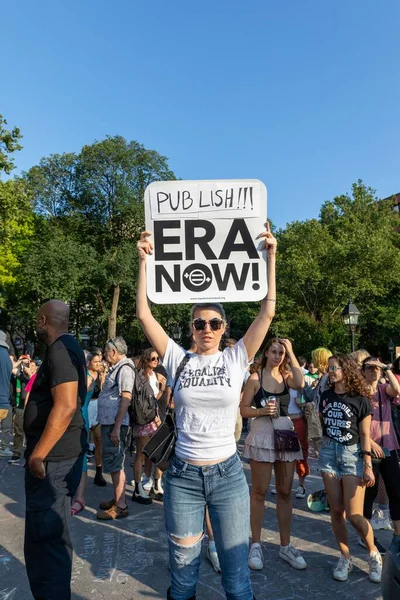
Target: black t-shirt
(64, 362)
(341, 415)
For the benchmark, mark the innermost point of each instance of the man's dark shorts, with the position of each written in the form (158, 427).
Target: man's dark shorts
(113, 456)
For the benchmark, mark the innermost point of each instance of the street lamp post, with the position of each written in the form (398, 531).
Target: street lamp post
(350, 315)
(176, 333)
(391, 349)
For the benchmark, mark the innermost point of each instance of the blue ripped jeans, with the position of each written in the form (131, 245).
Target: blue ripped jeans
(223, 488)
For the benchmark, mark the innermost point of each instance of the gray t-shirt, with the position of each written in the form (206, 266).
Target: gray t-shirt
(120, 378)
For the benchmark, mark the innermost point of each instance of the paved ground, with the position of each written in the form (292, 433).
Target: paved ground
(127, 559)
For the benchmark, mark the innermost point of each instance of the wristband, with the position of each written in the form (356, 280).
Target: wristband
(365, 453)
(386, 369)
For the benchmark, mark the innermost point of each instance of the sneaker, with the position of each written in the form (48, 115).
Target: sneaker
(379, 546)
(380, 520)
(90, 453)
(375, 567)
(256, 557)
(6, 453)
(147, 483)
(293, 557)
(214, 560)
(107, 505)
(343, 569)
(141, 496)
(301, 492)
(115, 512)
(273, 491)
(14, 460)
(157, 494)
(387, 522)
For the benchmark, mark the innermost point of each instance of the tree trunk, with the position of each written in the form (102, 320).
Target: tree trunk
(112, 319)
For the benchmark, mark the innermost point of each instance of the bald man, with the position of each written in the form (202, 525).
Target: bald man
(56, 440)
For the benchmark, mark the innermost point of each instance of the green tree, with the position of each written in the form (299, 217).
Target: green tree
(96, 198)
(351, 250)
(16, 227)
(9, 143)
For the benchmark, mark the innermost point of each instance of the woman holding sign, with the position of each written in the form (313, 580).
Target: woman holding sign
(206, 470)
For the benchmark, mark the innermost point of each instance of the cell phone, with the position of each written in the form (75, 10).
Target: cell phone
(386, 452)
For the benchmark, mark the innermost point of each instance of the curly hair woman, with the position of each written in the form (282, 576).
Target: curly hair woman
(345, 460)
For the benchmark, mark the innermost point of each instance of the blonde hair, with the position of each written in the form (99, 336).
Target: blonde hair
(359, 355)
(320, 357)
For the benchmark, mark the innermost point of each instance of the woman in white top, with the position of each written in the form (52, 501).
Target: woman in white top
(206, 470)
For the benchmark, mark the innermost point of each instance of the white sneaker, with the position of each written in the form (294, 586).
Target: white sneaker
(256, 557)
(387, 522)
(301, 492)
(273, 491)
(380, 520)
(6, 453)
(375, 567)
(213, 558)
(293, 557)
(147, 483)
(141, 497)
(343, 569)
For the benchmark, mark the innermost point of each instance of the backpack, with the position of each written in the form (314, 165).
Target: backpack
(142, 409)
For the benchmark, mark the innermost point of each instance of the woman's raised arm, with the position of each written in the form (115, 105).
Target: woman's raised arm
(257, 331)
(152, 328)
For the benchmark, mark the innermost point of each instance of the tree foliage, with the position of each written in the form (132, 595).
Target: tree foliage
(16, 228)
(70, 226)
(9, 143)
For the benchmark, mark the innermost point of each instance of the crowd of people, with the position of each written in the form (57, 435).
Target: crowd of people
(76, 407)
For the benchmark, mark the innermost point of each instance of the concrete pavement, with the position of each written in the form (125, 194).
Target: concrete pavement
(127, 559)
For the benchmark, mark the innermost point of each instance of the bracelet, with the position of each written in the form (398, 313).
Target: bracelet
(270, 300)
(365, 453)
(367, 466)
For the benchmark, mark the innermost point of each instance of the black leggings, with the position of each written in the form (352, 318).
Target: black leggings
(389, 469)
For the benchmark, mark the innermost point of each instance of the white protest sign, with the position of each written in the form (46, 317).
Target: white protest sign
(205, 241)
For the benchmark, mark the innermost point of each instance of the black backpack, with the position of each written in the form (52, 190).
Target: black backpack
(142, 409)
(143, 404)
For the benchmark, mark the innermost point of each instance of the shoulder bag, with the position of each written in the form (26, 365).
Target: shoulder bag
(160, 448)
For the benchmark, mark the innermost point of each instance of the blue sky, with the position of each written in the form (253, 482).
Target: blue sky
(303, 95)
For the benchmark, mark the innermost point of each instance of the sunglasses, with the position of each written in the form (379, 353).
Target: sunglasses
(111, 343)
(334, 369)
(200, 324)
(154, 359)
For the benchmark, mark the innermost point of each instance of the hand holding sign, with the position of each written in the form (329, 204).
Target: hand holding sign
(144, 245)
(270, 240)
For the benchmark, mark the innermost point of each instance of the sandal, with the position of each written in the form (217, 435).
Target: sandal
(76, 511)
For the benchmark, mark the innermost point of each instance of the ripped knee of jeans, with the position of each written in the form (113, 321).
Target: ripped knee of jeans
(184, 550)
(189, 541)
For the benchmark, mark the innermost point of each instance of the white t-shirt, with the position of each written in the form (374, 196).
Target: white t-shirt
(293, 406)
(154, 384)
(206, 400)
